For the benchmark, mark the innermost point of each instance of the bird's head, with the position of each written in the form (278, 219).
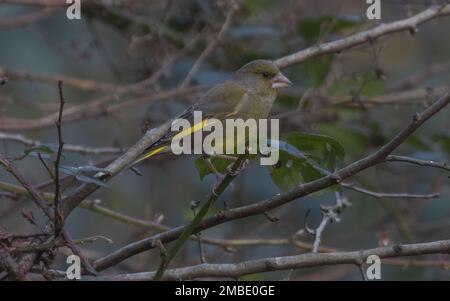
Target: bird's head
(262, 76)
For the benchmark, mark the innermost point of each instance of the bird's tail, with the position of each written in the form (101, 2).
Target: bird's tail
(186, 132)
(151, 153)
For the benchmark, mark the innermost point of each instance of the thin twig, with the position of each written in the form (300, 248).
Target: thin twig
(36, 195)
(380, 195)
(430, 163)
(72, 245)
(58, 217)
(212, 45)
(217, 191)
(329, 214)
(81, 149)
(97, 107)
(50, 173)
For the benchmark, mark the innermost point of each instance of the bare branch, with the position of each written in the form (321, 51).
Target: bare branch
(81, 149)
(212, 45)
(95, 108)
(380, 195)
(365, 36)
(440, 165)
(80, 83)
(288, 262)
(34, 193)
(329, 214)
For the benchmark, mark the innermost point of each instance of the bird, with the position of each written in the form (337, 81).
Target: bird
(249, 94)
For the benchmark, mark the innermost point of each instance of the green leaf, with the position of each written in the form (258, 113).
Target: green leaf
(355, 142)
(304, 158)
(324, 147)
(291, 171)
(204, 169)
(46, 149)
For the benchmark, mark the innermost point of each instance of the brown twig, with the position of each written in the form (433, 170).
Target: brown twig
(81, 149)
(429, 163)
(380, 195)
(36, 195)
(58, 217)
(212, 45)
(71, 244)
(92, 109)
(27, 260)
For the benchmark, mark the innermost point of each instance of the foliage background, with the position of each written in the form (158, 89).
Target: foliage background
(104, 46)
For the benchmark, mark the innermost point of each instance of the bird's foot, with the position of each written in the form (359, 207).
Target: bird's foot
(240, 168)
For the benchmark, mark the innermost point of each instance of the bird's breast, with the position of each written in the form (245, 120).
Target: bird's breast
(254, 106)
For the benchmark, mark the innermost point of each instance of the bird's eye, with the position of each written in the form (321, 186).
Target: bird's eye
(266, 75)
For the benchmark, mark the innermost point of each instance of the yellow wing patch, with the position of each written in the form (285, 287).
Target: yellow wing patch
(192, 129)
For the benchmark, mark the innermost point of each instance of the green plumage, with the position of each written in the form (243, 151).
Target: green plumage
(250, 94)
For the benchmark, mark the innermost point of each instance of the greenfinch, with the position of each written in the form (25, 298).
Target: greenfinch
(249, 95)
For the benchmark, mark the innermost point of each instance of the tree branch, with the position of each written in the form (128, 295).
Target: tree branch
(81, 149)
(380, 195)
(429, 163)
(266, 205)
(288, 262)
(365, 36)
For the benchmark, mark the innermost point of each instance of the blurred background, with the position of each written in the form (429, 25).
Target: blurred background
(120, 58)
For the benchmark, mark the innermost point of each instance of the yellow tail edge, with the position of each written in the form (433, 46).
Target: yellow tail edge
(150, 154)
(178, 136)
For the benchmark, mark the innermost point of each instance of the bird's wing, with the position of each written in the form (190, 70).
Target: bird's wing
(219, 102)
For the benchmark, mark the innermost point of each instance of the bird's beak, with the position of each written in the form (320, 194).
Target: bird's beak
(280, 81)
